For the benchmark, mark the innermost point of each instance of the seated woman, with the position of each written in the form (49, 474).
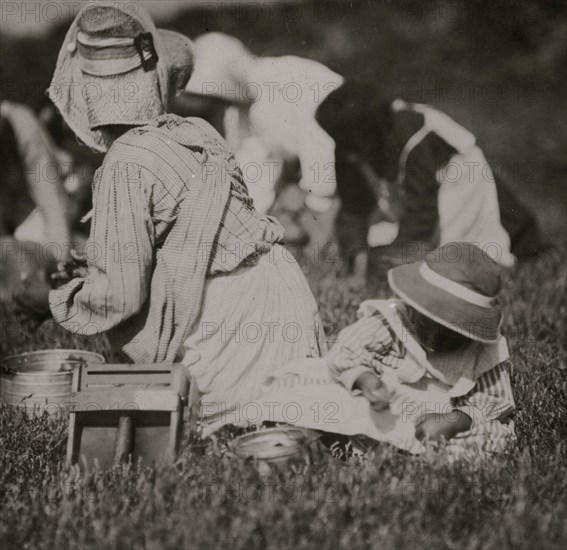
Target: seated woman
(430, 364)
(179, 263)
(423, 179)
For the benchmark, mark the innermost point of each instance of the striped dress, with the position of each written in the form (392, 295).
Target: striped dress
(176, 249)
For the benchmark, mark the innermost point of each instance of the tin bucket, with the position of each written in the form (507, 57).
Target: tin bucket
(273, 448)
(41, 380)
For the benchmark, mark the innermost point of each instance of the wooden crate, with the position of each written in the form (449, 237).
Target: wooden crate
(121, 412)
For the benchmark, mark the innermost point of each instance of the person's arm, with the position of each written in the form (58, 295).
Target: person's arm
(43, 176)
(373, 390)
(354, 360)
(316, 152)
(119, 252)
(491, 399)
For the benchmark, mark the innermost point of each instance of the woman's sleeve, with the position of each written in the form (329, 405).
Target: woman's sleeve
(491, 398)
(119, 253)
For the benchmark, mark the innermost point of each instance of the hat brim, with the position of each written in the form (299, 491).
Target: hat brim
(67, 89)
(473, 321)
(140, 105)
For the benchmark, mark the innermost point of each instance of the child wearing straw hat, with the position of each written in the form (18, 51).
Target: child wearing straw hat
(440, 335)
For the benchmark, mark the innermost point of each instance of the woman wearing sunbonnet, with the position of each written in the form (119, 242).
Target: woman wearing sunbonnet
(178, 259)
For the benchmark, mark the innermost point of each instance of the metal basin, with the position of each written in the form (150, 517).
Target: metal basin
(41, 380)
(275, 446)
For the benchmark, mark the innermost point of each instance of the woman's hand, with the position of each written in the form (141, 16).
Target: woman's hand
(32, 302)
(77, 267)
(437, 426)
(374, 390)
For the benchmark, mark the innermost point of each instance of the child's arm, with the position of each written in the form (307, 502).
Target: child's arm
(354, 359)
(437, 426)
(491, 399)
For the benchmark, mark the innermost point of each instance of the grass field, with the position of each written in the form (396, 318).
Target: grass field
(388, 500)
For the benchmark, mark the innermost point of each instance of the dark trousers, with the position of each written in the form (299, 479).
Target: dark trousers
(519, 222)
(352, 224)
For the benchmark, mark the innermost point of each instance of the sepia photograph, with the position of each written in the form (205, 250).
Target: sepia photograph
(283, 274)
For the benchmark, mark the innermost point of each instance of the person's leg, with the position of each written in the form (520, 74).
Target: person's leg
(490, 438)
(352, 222)
(287, 209)
(253, 321)
(519, 222)
(351, 231)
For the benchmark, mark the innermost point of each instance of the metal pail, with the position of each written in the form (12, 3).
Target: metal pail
(41, 380)
(275, 446)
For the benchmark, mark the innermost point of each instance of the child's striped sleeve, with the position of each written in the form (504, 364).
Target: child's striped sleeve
(491, 398)
(360, 347)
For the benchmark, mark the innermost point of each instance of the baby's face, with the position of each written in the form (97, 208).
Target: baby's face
(435, 336)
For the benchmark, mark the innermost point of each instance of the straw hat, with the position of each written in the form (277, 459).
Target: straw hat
(455, 286)
(115, 67)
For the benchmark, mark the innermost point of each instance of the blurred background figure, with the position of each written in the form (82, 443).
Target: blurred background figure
(35, 230)
(269, 121)
(45, 189)
(509, 101)
(410, 179)
(215, 85)
(34, 204)
(78, 165)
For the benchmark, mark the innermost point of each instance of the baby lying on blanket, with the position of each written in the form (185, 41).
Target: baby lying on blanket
(443, 327)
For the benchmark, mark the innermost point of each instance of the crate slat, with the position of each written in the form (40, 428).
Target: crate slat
(121, 399)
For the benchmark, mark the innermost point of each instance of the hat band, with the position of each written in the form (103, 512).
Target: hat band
(103, 42)
(454, 288)
(109, 67)
(108, 56)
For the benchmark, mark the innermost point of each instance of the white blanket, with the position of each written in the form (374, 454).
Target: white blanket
(303, 394)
